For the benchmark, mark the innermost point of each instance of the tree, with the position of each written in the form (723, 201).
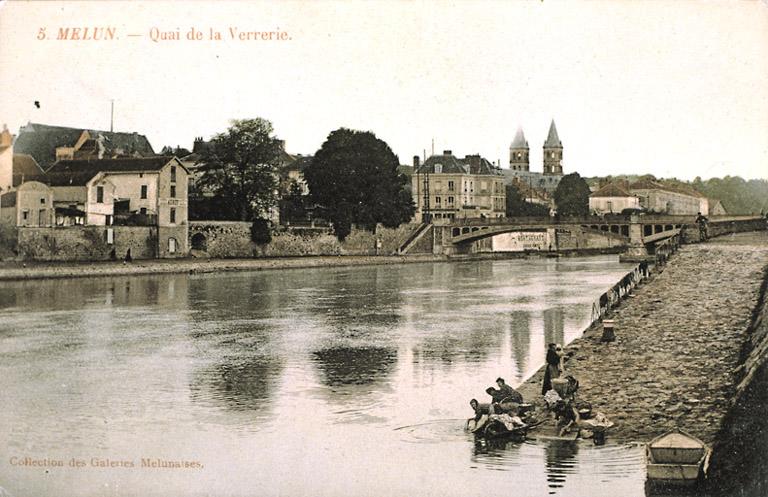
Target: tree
(572, 196)
(260, 232)
(353, 178)
(240, 168)
(517, 205)
(293, 204)
(176, 152)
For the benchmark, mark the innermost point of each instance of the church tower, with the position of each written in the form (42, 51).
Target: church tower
(553, 152)
(518, 152)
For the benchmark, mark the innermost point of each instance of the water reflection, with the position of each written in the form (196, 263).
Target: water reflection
(554, 325)
(520, 324)
(560, 461)
(239, 384)
(354, 365)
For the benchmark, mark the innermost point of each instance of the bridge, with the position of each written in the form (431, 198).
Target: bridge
(638, 235)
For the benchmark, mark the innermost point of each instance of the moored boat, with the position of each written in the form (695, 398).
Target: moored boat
(677, 459)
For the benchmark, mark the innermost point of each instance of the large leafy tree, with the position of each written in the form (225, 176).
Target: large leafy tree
(572, 196)
(517, 205)
(353, 178)
(239, 168)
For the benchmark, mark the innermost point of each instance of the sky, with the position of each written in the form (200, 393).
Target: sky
(670, 88)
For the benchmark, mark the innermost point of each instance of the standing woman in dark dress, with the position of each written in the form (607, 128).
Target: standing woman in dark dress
(553, 368)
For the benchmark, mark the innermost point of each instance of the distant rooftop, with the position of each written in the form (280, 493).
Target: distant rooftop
(41, 141)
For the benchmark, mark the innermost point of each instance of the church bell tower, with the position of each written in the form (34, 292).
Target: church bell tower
(553, 152)
(518, 152)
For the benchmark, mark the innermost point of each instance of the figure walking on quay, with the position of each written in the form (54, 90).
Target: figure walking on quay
(554, 367)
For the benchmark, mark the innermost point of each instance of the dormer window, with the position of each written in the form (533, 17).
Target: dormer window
(438, 168)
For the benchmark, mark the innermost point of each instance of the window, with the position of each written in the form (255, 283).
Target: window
(173, 215)
(143, 211)
(42, 201)
(173, 174)
(171, 245)
(450, 200)
(438, 169)
(437, 201)
(173, 191)
(450, 186)
(609, 206)
(25, 215)
(143, 191)
(99, 194)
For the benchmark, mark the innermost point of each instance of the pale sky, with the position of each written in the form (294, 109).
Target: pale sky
(668, 88)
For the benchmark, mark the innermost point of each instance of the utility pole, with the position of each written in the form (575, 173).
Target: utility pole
(426, 216)
(112, 116)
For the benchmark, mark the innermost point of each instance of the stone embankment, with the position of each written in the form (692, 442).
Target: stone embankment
(679, 343)
(47, 270)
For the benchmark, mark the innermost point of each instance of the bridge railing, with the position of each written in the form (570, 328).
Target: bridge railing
(606, 219)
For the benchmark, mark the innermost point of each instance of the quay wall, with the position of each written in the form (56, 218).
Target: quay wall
(85, 243)
(232, 239)
(676, 359)
(740, 453)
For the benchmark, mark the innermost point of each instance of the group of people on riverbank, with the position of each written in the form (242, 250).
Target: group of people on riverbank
(503, 408)
(507, 412)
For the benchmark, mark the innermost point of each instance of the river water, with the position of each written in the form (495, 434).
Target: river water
(311, 382)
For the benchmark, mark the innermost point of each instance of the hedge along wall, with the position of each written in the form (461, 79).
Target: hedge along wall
(85, 243)
(359, 242)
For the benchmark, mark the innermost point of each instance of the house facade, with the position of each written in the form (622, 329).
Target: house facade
(150, 192)
(446, 187)
(655, 197)
(612, 199)
(30, 204)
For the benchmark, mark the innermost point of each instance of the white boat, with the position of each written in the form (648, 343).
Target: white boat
(677, 459)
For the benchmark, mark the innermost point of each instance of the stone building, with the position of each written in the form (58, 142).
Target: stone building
(125, 192)
(30, 204)
(446, 187)
(659, 198)
(612, 198)
(552, 168)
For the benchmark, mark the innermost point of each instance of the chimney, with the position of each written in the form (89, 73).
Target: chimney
(447, 152)
(416, 162)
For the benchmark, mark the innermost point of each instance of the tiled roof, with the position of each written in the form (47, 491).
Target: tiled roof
(80, 172)
(8, 199)
(41, 140)
(449, 165)
(301, 163)
(25, 168)
(611, 190)
(646, 184)
(471, 164)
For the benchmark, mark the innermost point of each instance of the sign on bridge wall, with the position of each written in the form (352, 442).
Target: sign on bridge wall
(519, 241)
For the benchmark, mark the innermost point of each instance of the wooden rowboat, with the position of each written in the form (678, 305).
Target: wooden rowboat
(677, 459)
